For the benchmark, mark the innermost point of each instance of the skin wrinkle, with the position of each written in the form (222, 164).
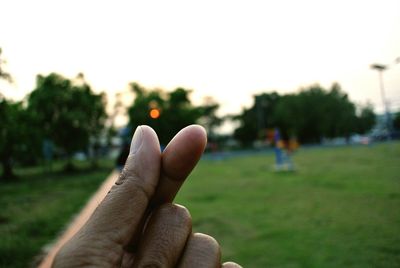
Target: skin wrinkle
(89, 256)
(93, 250)
(112, 258)
(127, 260)
(138, 195)
(152, 264)
(169, 226)
(201, 251)
(119, 198)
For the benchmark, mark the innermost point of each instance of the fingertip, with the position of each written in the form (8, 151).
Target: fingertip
(184, 151)
(230, 264)
(197, 130)
(149, 133)
(194, 135)
(200, 131)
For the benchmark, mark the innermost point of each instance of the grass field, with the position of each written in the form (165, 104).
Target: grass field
(35, 209)
(341, 208)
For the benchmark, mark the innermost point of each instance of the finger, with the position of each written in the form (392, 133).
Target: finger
(178, 160)
(231, 265)
(164, 238)
(201, 251)
(119, 214)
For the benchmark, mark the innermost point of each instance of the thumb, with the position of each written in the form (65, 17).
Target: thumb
(119, 215)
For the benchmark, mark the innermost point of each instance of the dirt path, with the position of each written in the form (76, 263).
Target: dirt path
(80, 219)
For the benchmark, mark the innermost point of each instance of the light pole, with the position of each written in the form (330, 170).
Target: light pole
(381, 68)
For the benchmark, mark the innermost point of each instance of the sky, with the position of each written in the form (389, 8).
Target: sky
(229, 50)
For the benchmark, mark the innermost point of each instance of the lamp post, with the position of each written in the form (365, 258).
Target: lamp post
(381, 68)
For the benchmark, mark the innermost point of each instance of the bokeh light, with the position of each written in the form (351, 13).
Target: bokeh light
(154, 113)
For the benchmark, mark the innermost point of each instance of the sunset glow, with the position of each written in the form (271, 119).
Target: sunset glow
(229, 50)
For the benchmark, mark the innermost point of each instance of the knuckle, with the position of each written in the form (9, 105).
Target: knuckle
(206, 239)
(151, 264)
(176, 211)
(140, 188)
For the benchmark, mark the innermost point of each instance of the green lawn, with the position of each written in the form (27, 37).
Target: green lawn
(341, 208)
(35, 209)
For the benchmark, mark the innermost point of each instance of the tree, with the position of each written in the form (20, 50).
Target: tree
(68, 112)
(145, 101)
(209, 120)
(289, 116)
(366, 119)
(396, 121)
(93, 105)
(9, 135)
(322, 113)
(167, 112)
(311, 114)
(4, 75)
(9, 127)
(254, 121)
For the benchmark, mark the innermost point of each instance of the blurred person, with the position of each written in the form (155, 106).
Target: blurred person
(283, 151)
(136, 225)
(278, 146)
(47, 150)
(291, 145)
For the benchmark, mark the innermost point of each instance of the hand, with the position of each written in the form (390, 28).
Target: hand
(136, 225)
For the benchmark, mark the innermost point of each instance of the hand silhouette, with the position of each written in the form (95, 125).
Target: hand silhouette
(136, 225)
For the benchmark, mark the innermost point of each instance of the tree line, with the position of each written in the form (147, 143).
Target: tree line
(63, 112)
(62, 116)
(310, 115)
(67, 115)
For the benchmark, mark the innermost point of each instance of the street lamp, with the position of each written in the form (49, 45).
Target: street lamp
(381, 68)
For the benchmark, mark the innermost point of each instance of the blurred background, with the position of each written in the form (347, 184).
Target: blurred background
(300, 100)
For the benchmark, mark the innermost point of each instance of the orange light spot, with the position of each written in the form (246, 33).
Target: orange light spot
(154, 113)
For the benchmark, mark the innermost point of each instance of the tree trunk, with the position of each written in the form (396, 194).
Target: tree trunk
(69, 166)
(8, 173)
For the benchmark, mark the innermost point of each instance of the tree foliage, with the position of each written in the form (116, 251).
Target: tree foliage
(396, 121)
(4, 75)
(175, 111)
(254, 120)
(12, 132)
(311, 114)
(366, 119)
(67, 111)
(17, 140)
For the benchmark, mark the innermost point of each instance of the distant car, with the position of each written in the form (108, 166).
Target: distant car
(80, 156)
(360, 139)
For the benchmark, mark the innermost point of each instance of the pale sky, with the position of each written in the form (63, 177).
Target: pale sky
(227, 49)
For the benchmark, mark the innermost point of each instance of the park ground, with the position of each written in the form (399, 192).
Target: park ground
(341, 208)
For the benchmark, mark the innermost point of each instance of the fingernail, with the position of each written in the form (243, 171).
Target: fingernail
(136, 140)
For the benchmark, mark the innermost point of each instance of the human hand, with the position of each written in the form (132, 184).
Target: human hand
(114, 235)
